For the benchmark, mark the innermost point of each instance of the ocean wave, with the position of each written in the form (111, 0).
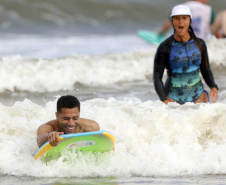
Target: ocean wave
(152, 139)
(20, 74)
(51, 75)
(54, 17)
(76, 16)
(216, 52)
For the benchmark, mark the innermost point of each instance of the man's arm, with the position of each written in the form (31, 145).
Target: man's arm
(216, 26)
(165, 27)
(87, 125)
(46, 132)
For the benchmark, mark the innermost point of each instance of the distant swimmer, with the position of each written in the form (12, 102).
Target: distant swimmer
(202, 18)
(219, 24)
(184, 56)
(67, 121)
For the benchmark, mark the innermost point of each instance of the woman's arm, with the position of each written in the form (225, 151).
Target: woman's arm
(205, 66)
(160, 60)
(207, 73)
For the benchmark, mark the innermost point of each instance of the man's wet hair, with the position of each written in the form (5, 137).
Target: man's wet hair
(67, 101)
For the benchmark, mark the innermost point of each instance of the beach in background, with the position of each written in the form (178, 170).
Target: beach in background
(90, 49)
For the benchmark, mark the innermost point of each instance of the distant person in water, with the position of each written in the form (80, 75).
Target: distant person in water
(67, 121)
(219, 25)
(184, 56)
(202, 18)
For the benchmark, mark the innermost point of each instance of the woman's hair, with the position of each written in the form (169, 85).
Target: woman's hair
(190, 29)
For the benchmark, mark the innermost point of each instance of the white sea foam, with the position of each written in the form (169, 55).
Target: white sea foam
(152, 139)
(51, 75)
(216, 51)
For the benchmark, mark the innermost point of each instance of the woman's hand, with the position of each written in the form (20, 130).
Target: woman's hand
(214, 93)
(168, 100)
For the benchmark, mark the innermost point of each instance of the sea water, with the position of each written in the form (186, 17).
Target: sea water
(90, 49)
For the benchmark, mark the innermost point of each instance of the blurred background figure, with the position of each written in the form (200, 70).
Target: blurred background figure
(203, 16)
(219, 25)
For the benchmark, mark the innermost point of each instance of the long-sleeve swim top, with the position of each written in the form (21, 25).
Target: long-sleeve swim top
(161, 62)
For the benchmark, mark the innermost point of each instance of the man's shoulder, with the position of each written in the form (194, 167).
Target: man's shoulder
(52, 123)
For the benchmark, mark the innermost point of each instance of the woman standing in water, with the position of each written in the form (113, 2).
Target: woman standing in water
(183, 55)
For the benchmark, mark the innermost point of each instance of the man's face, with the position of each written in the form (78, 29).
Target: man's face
(67, 119)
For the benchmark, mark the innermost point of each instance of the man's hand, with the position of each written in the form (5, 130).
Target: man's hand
(53, 138)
